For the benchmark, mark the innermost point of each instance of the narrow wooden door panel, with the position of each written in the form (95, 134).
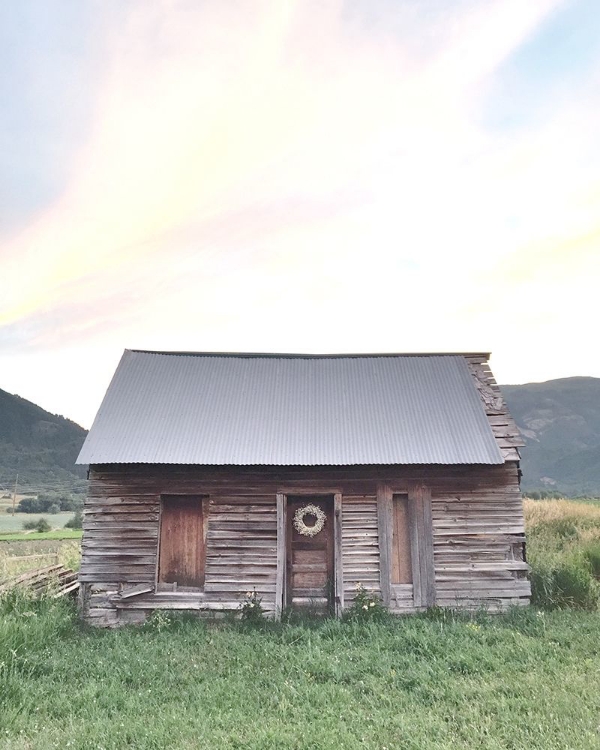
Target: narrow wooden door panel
(401, 558)
(310, 559)
(181, 558)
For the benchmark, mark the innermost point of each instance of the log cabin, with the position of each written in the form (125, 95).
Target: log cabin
(301, 478)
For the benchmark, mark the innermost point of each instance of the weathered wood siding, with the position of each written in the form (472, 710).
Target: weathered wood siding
(479, 540)
(476, 520)
(360, 545)
(241, 549)
(503, 426)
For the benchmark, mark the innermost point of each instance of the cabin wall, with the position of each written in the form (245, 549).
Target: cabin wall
(476, 521)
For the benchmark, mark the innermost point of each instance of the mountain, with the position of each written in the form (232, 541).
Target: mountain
(39, 446)
(560, 421)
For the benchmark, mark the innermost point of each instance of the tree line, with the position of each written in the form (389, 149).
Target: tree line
(47, 502)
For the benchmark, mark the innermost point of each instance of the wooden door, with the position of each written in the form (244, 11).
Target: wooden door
(401, 558)
(310, 567)
(181, 552)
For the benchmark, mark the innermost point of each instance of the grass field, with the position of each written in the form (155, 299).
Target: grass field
(32, 536)
(9, 522)
(563, 549)
(526, 680)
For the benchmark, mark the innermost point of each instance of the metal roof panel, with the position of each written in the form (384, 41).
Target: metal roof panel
(290, 410)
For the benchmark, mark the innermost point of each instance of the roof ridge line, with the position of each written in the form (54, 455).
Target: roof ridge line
(291, 355)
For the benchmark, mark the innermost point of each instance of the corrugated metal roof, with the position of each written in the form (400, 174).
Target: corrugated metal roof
(216, 409)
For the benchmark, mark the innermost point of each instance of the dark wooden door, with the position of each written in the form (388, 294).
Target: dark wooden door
(181, 552)
(310, 574)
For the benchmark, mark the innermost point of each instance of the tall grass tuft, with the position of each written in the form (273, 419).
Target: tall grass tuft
(558, 584)
(591, 552)
(563, 539)
(29, 627)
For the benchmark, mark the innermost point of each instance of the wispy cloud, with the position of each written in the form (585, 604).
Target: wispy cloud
(303, 175)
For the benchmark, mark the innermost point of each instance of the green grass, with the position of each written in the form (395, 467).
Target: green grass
(563, 547)
(526, 680)
(18, 557)
(32, 536)
(9, 523)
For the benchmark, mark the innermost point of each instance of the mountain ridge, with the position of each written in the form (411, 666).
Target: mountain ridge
(560, 422)
(38, 446)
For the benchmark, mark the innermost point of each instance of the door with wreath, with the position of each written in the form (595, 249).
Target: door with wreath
(310, 553)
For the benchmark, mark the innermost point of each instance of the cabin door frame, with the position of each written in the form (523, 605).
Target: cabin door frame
(202, 502)
(282, 546)
(420, 532)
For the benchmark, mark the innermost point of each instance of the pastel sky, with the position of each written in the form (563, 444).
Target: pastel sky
(309, 176)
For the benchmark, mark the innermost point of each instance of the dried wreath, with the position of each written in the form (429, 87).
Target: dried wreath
(309, 510)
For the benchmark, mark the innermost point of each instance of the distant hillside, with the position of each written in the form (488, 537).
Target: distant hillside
(40, 446)
(560, 420)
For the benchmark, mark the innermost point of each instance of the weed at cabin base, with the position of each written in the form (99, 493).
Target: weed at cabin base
(164, 620)
(365, 607)
(251, 609)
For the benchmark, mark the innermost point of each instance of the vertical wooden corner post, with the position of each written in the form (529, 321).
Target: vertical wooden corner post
(338, 561)
(421, 542)
(281, 561)
(384, 527)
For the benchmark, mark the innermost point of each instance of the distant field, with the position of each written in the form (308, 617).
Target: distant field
(16, 543)
(15, 523)
(8, 522)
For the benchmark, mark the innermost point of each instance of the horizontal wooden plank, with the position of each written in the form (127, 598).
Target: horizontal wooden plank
(136, 591)
(123, 576)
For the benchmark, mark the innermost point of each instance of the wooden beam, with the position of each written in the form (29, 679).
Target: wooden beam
(427, 561)
(281, 547)
(415, 545)
(384, 526)
(143, 588)
(205, 515)
(159, 529)
(304, 490)
(338, 561)
(421, 537)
